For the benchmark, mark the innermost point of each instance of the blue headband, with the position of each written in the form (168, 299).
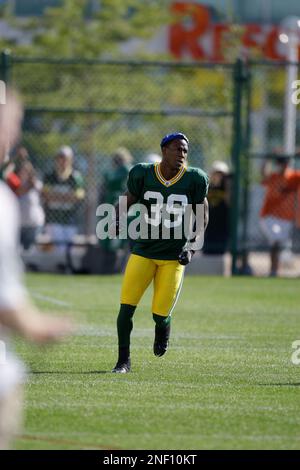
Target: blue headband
(169, 137)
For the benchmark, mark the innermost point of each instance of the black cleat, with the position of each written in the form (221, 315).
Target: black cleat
(161, 340)
(122, 367)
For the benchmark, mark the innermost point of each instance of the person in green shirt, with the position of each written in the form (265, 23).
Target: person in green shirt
(115, 182)
(115, 179)
(63, 192)
(164, 190)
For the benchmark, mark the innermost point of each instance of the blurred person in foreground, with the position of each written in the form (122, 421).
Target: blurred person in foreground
(277, 214)
(17, 315)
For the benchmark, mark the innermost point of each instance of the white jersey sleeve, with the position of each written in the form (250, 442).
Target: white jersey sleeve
(12, 291)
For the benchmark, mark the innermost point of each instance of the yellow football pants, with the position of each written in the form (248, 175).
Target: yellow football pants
(167, 279)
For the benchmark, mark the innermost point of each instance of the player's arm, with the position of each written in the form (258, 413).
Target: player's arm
(188, 252)
(121, 209)
(26, 321)
(195, 241)
(16, 311)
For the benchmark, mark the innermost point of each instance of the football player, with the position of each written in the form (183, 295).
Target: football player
(172, 185)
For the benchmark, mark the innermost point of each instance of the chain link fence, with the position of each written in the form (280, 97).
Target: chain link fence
(269, 235)
(96, 107)
(113, 114)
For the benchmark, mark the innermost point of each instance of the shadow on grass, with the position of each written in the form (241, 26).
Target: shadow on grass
(37, 372)
(291, 384)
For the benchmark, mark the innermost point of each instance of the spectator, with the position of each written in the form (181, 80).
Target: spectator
(32, 213)
(217, 232)
(9, 170)
(115, 184)
(153, 158)
(293, 184)
(20, 157)
(278, 209)
(63, 191)
(116, 178)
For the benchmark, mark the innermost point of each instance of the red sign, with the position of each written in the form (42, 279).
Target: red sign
(202, 39)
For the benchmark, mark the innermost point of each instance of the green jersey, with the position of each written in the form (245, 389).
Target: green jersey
(115, 183)
(147, 184)
(63, 212)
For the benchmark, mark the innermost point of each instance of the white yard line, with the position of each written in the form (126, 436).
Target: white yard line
(51, 300)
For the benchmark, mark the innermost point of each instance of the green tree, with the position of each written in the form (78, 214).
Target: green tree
(72, 32)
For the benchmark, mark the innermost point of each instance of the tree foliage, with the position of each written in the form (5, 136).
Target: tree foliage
(72, 31)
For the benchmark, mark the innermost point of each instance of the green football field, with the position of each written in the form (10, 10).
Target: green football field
(227, 381)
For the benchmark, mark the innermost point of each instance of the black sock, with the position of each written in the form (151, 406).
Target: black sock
(124, 326)
(160, 321)
(124, 354)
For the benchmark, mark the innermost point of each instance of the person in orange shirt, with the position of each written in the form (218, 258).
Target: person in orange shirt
(293, 184)
(278, 209)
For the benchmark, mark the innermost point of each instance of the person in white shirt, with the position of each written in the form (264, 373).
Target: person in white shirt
(31, 209)
(16, 312)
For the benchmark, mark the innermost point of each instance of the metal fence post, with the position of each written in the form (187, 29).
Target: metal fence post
(239, 78)
(245, 173)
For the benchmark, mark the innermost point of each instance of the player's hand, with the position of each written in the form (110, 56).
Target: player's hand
(45, 329)
(185, 257)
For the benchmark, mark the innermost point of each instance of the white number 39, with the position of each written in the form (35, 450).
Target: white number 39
(175, 205)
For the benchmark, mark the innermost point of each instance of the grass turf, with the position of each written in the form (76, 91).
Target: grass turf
(227, 381)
